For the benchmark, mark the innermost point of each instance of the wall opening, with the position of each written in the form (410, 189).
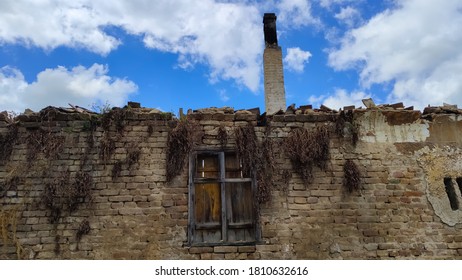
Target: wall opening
(459, 183)
(450, 191)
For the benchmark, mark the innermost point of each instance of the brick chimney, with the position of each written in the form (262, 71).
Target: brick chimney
(275, 97)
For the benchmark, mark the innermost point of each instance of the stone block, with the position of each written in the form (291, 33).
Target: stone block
(200, 250)
(120, 198)
(246, 249)
(225, 249)
(268, 248)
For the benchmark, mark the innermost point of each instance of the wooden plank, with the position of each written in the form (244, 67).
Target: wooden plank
(246, 224)
(239, 203)
(191, 216)
(223, 198)
(210, 225)
(232, 166)
(208, 236)
(207, 203)
(257, 227)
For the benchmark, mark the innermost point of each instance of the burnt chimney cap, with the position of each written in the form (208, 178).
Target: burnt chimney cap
(269, 17)
(269, 29)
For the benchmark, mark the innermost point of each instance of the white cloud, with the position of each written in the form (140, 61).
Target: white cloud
(415, 46)
(339, 99)
(11, 84)
(328, 4)
(296, 59)
(296, 12)
(225, 36)
(60, 86)
(223, 95)
(49, 24)
(349, 16)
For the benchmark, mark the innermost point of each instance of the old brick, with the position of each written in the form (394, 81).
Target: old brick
(109, 192)
(225, 249)
(368, 219)
(121, 198)
(268, 248)
(386, 246)
(322, 193)
(130, 211)
(413, 193)
(370, 232)
(300, 200)
(216, 256)
(206, 256)
(371, 246)
(200, 250)
(246, 249)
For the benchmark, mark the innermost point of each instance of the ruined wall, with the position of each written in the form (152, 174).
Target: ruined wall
(75, 185)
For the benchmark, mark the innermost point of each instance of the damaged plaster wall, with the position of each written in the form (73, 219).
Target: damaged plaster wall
(441, 163)
(439, 154)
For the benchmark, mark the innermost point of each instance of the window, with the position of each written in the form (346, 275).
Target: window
(221, 204)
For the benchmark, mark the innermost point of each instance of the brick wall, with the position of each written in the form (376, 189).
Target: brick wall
(275, 97)
(401, 211)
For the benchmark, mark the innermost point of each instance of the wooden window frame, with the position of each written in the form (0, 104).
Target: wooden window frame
(222, 180)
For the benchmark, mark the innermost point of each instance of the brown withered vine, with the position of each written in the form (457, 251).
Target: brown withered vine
(247, 148)
(351, 176)
(222, 136)
(115, 117)
(9, 184)
(8, 227)
(133, 156)
(256, 159)
(84, 228)
(107, 148)
(46, 142)
(116, 169)
(7, 142)
(307, 149)
(179, 143)
(62, 195)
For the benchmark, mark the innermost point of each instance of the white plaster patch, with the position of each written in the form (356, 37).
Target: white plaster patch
(375, 129)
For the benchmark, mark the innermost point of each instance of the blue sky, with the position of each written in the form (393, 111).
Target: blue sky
(194, 54)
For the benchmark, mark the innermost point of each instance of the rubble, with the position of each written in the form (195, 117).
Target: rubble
(227, 113)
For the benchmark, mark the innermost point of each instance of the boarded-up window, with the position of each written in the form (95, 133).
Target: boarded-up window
(221, 200)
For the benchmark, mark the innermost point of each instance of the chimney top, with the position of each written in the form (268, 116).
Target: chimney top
(269, 29)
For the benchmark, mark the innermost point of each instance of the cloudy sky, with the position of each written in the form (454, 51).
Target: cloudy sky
(172, 54)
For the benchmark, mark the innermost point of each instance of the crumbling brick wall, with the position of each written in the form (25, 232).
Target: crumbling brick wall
(124, 208)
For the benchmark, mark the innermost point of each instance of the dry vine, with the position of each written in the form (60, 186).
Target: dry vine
(7, 142)
(115, 117)
(256, 159)
(84, 228)
(8, 224)
(179, 143)
(9, 184)
(222, 136)
(307, 149)
(351, 177)
(46, 142)
(60, 195)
